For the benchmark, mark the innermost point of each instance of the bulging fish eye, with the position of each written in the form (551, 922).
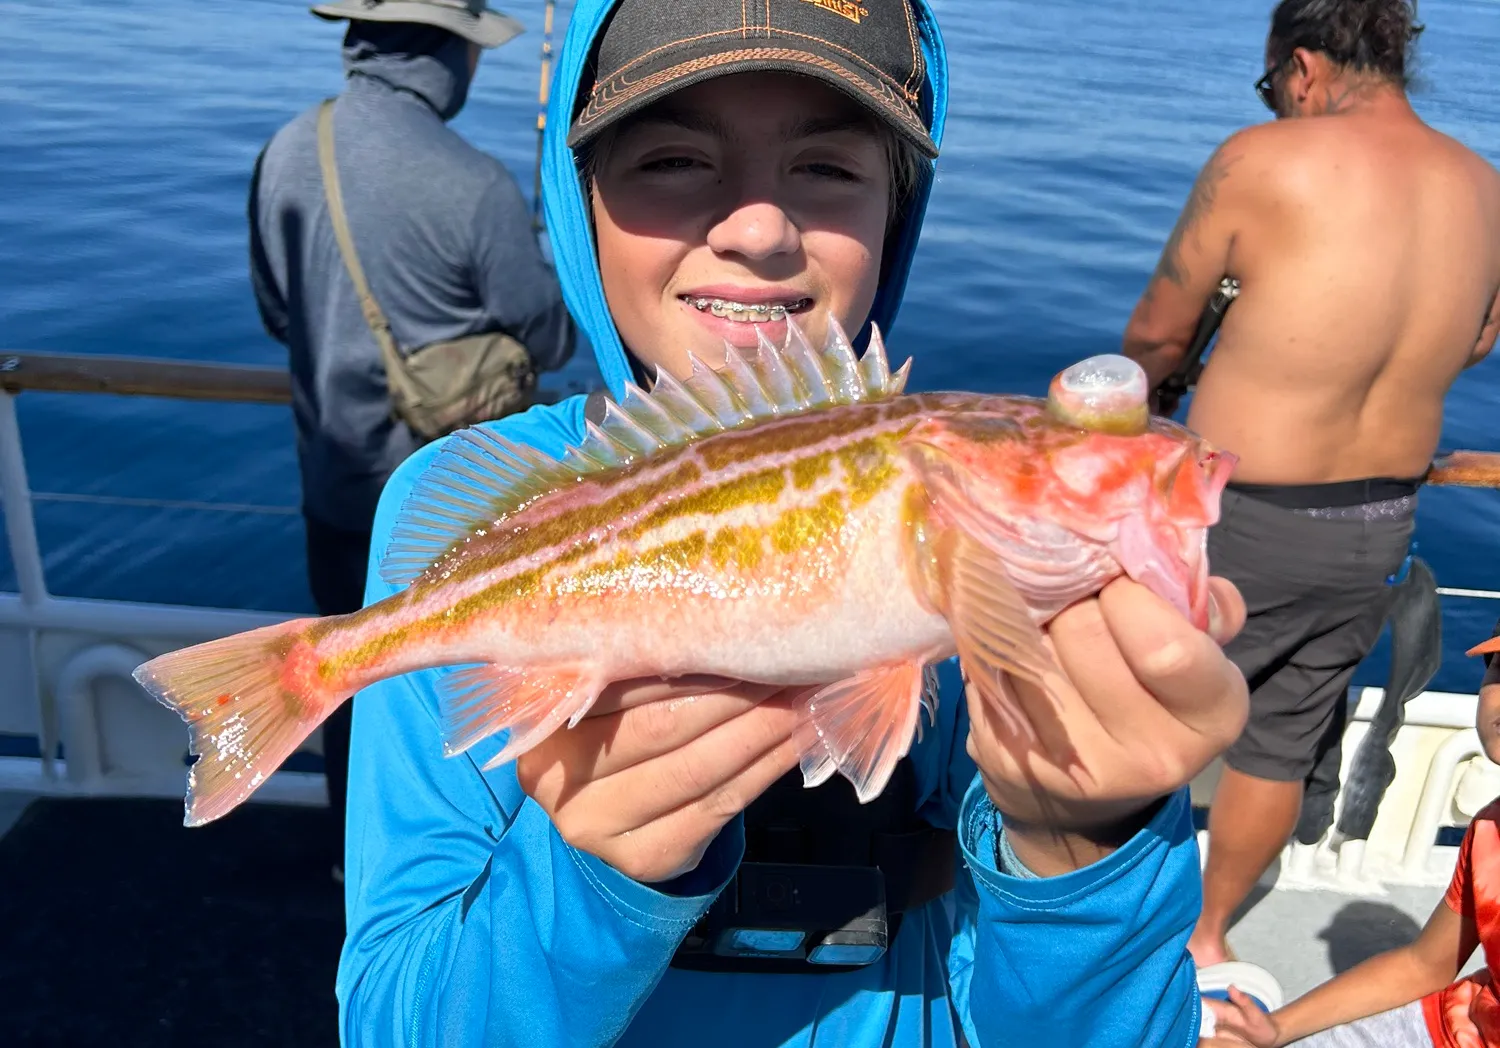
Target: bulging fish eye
(1107, 393)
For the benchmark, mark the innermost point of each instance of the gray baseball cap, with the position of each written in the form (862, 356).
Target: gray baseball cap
(471, 19)
(868, 50)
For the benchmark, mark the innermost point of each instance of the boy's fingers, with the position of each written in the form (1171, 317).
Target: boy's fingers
(668, 846)
(1226, 610)
(643, 733)
(1182, 667)
(1222, 1009)
(627, 694)
(699, 768)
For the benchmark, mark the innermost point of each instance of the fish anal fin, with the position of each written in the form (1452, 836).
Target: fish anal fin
(529, 702)
(867, 723)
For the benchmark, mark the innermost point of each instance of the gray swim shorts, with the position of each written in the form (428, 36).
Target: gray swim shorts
(1315, 586)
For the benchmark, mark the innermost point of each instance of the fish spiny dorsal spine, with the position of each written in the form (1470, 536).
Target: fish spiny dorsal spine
(479, 477)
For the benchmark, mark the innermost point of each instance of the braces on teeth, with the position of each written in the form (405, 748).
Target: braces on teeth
(720, 308)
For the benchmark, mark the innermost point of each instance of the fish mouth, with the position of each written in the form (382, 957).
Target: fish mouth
(740, 311)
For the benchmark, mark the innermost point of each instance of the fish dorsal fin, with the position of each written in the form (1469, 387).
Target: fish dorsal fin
(479, 477)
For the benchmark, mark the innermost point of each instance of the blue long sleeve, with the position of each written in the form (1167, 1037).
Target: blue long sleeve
(471, 921)
(1096, 957)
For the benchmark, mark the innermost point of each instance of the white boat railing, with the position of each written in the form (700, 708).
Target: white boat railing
(65, 662)
(65, 666)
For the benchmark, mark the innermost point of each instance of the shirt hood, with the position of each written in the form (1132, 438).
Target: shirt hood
(566, 203)
(429, 63)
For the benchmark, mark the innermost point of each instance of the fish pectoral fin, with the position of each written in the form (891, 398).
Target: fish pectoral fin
(530, 702)
(866, 723)
(993, 629)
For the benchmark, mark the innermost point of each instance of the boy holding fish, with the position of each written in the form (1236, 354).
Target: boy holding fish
(674, 578)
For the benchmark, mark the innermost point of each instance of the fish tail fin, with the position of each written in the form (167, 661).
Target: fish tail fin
(1469, 469)
(249, 701)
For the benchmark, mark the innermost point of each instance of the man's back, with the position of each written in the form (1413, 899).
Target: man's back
(1367, 246)
(445, 240)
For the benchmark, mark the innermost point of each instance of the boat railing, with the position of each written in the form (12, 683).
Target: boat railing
(72, 657)
(33, 607)
(79, 653)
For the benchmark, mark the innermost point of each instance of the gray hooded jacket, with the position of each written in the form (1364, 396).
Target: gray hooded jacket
(445, 239)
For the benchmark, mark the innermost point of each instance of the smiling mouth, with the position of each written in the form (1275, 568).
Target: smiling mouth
(748, 312)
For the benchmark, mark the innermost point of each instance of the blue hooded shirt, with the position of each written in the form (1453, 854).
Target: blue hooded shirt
(472, 922)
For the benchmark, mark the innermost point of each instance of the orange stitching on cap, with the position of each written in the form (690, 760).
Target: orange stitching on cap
(918, 66)
(904, 87)
(677, 43)
(882, 94)
(912, 98)
(864, 62)
(853, 10)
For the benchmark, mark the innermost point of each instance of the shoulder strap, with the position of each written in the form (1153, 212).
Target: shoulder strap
(379, 326)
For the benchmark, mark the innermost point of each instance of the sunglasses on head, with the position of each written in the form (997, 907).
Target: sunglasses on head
(1265, 87)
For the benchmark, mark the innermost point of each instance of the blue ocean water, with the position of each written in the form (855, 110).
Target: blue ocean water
(130, 128)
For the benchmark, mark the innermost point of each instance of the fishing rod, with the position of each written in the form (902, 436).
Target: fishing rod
(1185, 376)
(541, 114)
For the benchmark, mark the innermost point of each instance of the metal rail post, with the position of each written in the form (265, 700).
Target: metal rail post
(15, 498)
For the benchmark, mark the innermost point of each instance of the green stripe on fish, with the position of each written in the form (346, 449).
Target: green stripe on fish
(480, 477)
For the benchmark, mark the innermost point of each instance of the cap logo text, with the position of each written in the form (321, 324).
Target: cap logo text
(844, 8)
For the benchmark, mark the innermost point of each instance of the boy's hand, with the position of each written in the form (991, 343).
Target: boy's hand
(1148, 701)
(1240, 1022)
(646, 781)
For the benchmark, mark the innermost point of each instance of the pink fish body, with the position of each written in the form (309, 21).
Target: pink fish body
(793, 519)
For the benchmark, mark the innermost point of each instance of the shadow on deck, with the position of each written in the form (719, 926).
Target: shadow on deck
(123, 928)
(1304, 938)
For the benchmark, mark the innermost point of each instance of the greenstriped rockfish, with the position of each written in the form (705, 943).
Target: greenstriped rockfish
(791, 519)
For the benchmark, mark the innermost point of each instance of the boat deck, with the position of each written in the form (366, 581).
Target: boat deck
(124, 929)
(222, 939)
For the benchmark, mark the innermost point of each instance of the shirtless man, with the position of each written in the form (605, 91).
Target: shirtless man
(1367, 247)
